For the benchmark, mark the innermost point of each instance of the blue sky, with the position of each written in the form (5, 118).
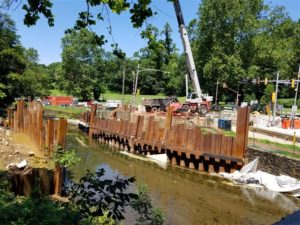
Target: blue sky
(47, 39)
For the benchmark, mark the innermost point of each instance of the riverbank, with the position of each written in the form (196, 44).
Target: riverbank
(273, 163)
(15, 148)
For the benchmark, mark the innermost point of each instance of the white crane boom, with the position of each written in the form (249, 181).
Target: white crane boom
(187, 48)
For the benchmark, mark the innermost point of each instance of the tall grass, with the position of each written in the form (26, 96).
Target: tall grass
(118, 96)
(69, 112)
(128, 98)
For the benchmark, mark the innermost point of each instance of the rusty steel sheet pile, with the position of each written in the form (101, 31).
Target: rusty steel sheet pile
(186, 141)
(45, 135)
(28, 120)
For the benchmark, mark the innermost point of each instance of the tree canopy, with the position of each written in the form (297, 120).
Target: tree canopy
(20, 74)
(236, 41)
(232, 41)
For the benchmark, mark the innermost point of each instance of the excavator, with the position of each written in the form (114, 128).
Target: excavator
(195, 101)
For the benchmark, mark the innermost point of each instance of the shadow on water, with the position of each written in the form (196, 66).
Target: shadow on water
(187, 197)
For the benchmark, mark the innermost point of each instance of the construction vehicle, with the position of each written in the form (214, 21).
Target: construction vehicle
(195, 101)
(158, 104)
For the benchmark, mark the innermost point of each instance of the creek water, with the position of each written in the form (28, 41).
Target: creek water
(186, 197)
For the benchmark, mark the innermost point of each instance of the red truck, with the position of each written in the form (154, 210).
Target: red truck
(60, 100)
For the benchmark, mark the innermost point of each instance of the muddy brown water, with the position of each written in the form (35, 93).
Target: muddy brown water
(186, 197)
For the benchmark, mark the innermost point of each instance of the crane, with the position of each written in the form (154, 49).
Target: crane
(197, 101)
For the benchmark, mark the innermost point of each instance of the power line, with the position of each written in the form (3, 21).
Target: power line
(163, 12)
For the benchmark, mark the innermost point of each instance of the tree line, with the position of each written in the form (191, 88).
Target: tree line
(20, 73)
(233, 42)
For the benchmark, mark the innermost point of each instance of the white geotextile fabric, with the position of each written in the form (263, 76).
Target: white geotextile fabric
(250, 175)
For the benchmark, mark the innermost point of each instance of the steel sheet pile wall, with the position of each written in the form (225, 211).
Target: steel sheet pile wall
(85, 117)
(28, 120)
(185, 144)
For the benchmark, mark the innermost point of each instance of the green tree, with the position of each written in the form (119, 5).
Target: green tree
(33, 82)
(94, 195)
(81, 65)
(266, 98)
(11, 57)
(225, 32)
(160, 54)
(54, 72)
(152, 56)
(175, 79)
(275, 44)
(115, 68)
(20, 73)
(241, 40)
(168, 43)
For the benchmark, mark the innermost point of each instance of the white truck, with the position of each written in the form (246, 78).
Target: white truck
(112, 104)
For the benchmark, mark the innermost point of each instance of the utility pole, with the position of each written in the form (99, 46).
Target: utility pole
(275, 102)
(135, 85)
(294, 107)
(216, 98)
(139, 70)
(296, 90)
(123, 85)
(133, 81)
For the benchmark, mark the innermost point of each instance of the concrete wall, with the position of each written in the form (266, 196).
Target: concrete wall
(274, 163)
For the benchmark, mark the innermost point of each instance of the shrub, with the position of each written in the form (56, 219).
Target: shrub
(66, 158)
(94, 195)
(287, 103)
(36, 209)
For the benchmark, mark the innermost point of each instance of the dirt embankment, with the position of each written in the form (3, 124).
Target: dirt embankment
(12, 152)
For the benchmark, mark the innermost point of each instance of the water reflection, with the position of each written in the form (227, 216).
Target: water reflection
(187, 197)
(283, 201)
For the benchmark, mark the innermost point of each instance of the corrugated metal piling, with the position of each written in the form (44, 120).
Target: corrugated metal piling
(185, 143)
(27, 118)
